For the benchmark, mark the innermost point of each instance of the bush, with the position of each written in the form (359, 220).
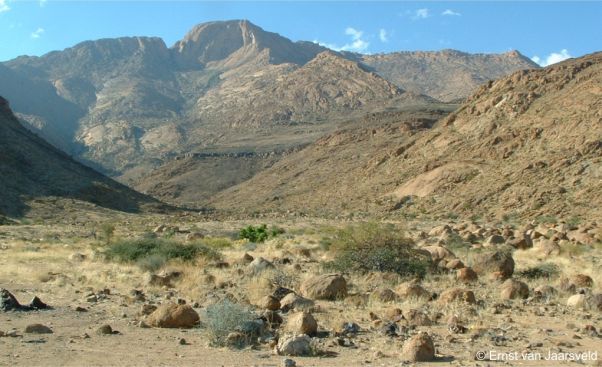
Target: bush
(107, 230)
(151, 251)
(225, 317)
(260, 233)
(377, 247)
(545, 270)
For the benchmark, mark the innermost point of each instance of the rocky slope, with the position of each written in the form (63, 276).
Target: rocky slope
(32, 169)
(525, 145)
(132, 104)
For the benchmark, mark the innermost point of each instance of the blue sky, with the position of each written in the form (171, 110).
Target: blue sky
(549, 30)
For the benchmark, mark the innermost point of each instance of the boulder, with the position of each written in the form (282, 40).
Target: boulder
(418, 318)
(269, 302)
(492, 262)
(577, 301)
(37, 329)
(384, 295)
(259, 264)
(494, 240)
(439, 253)
(512, 289)
(296, 345)
(327, 287)
(467, 275)
(457, 295)
(419, 348)
(302, 323)
(171, 315)
(412, 289)
(293, 301)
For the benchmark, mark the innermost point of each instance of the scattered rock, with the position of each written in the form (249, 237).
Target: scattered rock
(491, 262)
(418, 318)
(457, 295)
(106, 330)
(287, 362)
(327, 287)
(576, 301)
(302, 323)
(171, 315)
(259, 264)
(420, 348)
(512, 289)
(439, 253)
(582, 281)
(37, 329)
(412, 290)
(494, 240)
(293, 301)
(467, 275)
(298, 345)
(8, 302)
(269, 302)
(384, 295)
(194, 236)
(77, 257)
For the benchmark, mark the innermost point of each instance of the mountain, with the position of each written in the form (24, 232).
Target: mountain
(31, 169)
(446, 75)
(128, 106)
(525, 145)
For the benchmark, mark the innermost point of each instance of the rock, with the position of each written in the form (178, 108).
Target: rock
(81, 309)
(439, 253)
(37, 304)
(348, 329)
(159, 229)
(418, 318)
(194, 236)
(8, 302)
(545, 291)
(37, 329)
(494, 240)
(496, 261)
(457, 295)
(512, 289)
(302, 323)
(596, 302)
(298, 345)
(521, 243)
(236, 339)
(171, 315)
(419, 348)
(280, 292)
(106, 330)
(411, 290)
(272, 318)
(576, 301)
(269, 302)
(454, 264)
(582, 281)
(327, 287)
(259, 264)
(163, 280)
(182, 341)
(467, 275)
(287, 362)
(246, 259)
(77, 257)
(393, 314)
(384, 295)
(440, 230)
(147, 309)
(546, 247)
(293, 301)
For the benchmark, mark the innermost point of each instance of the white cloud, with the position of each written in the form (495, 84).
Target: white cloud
(42, 3)
(449, 12)
(552, 58)
(357, 44)
(37, 33)
(422, 13)
(4, 6)
(383, 36)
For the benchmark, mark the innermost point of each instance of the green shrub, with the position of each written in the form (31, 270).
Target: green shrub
(225, 317)
(377, 247)
(107, 230)
(260, 233)
(152, 250)
(545, 270)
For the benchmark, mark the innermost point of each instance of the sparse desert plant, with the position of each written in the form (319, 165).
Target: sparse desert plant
(217, 242)
(545, 270)
(149, 250)
(107, 230)
(260, 233)
(377, 247)
(225, 317)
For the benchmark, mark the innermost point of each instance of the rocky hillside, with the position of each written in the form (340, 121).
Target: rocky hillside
(525, 145)
(32, 169)
(447, 75)
(129, 105)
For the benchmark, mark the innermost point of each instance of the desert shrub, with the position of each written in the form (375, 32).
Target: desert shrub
(545, 270)
(107, 230)
(152, 263)
(260, 233)
(377, 247)
(217, 242)
(225, 317)
(151, 249)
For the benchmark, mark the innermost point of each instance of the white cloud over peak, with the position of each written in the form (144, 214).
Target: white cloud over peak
(357, 44)
(37, 33)
(449, 12)
(4, 6)
(552, 58)
(422, 13)
(383, 36)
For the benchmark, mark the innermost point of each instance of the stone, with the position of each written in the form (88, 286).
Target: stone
(545, 291)
(457, 295)
(37, 329)
(393, 314)
(259, 264)
(147, 309)
(297, 345)
(106, 330)
(513, 289)
(467, 275)
(439, 253)
(77, 257)
(577, 301)
(272, 318)
(419, 348)
(494, 240)
(8, 302)
(302, 323)
(292, 301)
(454, 264)
(325, 287)
(418, 318)
(171, 315)
(384, 295)
(269, 302)
(411, 290)
(194, 236)
(246, 258)
(492, 262)
(287, 362)
(582, 280)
